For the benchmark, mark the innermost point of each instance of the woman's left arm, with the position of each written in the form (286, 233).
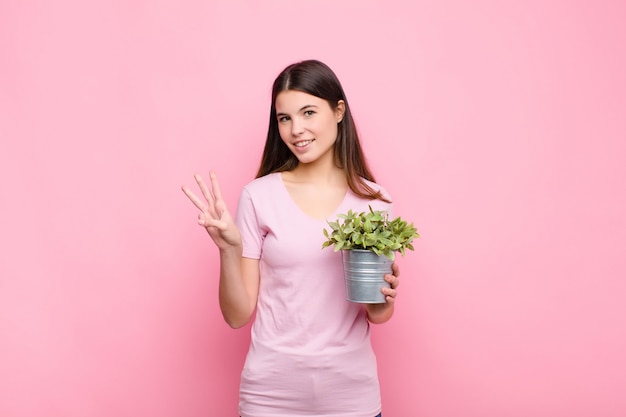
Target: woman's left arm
(380, 313)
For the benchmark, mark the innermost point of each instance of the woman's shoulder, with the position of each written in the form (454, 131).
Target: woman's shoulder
(263, 185)
(377, 188)
(358, 203)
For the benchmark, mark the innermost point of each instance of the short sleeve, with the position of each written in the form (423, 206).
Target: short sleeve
(247, 221)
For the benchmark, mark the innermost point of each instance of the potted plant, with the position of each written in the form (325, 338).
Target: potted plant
(368, 242)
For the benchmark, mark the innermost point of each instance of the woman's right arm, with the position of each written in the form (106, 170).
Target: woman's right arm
(239, 276)
(239, 287)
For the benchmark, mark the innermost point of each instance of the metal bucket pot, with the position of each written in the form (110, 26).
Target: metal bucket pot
(364, 273)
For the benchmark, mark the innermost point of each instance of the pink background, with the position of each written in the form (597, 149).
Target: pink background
(499, 129)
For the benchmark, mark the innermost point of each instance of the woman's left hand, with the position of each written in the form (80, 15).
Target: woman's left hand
(394, 281)
(380, 313)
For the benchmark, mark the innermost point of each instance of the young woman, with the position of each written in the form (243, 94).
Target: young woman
(310, 351)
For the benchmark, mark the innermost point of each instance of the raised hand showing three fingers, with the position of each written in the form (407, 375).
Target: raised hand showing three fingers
(214, 215)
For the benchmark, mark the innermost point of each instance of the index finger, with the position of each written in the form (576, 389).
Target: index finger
(195, 200)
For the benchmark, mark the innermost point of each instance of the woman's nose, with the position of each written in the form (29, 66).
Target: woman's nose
(297, 127)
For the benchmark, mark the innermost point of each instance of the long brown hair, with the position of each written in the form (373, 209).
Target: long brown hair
(316, 78)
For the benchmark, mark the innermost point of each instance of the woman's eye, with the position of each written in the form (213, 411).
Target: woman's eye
(283, 119)
(309, 113)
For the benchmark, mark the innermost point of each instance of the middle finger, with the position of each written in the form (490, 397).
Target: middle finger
(208, 194)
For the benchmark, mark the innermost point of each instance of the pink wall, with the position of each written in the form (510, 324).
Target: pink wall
(500, 129)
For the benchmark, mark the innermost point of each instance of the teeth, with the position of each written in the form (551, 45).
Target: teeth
(301, 144)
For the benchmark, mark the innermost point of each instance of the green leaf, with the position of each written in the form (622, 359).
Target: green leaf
(334, 225)
(371, 230)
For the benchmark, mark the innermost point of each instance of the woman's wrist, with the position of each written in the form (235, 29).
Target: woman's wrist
(379, 313)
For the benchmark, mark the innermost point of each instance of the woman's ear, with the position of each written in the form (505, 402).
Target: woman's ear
(340, 110)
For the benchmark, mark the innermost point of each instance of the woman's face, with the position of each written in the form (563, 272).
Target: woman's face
(308, 125)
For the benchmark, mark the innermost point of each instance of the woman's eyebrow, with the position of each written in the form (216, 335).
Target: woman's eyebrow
(301, 109)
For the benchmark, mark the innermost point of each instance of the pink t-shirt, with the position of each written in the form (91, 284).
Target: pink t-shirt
(310, 351)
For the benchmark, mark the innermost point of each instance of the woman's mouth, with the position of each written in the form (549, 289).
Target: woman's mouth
(303, 143)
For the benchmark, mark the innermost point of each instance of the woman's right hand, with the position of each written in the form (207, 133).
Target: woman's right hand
(214, 215)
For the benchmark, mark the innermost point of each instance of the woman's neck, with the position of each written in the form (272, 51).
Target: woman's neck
(318, 173)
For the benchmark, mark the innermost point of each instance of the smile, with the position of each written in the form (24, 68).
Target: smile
(303, 143)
